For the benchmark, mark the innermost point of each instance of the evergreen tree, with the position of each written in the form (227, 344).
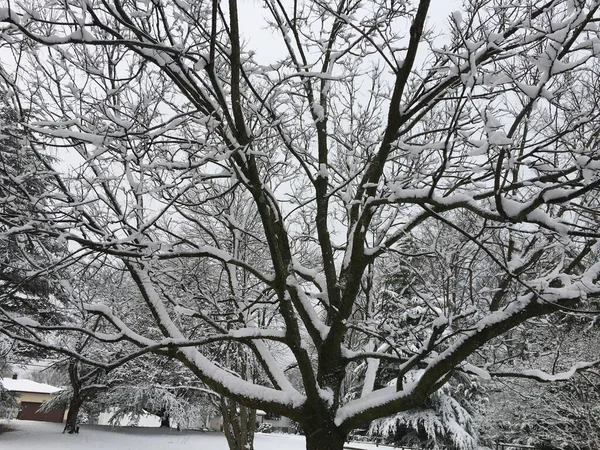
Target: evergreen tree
(24, 185)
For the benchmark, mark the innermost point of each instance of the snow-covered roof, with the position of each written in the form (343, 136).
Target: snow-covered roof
(28, 386)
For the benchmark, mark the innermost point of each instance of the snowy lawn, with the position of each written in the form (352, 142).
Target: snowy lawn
(28, 435)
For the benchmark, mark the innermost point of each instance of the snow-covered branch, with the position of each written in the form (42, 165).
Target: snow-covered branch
(544, 377)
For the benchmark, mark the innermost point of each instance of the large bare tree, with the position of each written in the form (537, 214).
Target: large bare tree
(372, 125)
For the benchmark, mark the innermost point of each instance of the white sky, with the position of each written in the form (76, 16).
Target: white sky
(269, 45)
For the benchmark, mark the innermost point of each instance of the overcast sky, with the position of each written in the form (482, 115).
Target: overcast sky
(269, 47)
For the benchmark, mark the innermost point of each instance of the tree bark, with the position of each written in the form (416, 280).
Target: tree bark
(327, 437)
(74, 406)
(165, 420)
(239, 424)
(76, 400)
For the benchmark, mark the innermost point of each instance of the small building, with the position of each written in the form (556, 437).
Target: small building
(215, 423)
(30, 395)
(279, 423)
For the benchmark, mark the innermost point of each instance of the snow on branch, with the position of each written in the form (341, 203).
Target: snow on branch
(179, 136)
(374, 399)
(316, 326)
(258, 333)
(106, 312)
(371, 373)
(223, 381)
(275, 370)
(544, 377)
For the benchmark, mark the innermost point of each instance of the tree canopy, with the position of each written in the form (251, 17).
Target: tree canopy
(252, 201)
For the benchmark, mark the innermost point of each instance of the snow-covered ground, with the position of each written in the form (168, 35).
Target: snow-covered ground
(48, 436)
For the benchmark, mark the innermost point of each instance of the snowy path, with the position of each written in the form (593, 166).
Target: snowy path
(48, 436)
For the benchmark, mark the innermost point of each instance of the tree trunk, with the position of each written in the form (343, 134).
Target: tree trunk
(164, 419)
(71, 422)
(239, 424)
(76, 401)
(327, 437)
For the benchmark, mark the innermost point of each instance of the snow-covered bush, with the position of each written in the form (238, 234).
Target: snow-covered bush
(133, 402)
(562, 414)
(60, 400)
(265, 428)
(444, 421)
(565, 416)
(8, 403)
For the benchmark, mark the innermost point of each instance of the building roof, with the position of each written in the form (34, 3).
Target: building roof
(28, 386)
